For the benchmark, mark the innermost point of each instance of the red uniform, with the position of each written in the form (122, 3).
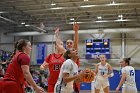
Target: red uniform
(76, 86)
(55, 61)
(14, 78)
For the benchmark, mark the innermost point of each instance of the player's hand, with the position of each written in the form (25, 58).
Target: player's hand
(75, 26)
(57, 30)
(39, 90)
(117, 89)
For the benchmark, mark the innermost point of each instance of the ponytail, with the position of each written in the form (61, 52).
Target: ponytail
(14, 52)
(19, 46)
(127, 60)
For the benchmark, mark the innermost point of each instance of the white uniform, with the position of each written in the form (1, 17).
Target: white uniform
(100, 81)
(67, 67)
(129, 86)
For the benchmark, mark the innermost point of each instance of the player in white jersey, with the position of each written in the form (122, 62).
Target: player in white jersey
(103, 71)
(127, 78)
(68, 73)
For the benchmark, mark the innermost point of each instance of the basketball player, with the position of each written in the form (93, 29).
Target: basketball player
(70, 44)
(103, 70)
(68, 73)
(18, 70)
(53, 62)
(127, 78)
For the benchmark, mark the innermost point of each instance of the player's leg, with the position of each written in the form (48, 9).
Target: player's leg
(106, 86)
(106, 90)
(97, 90)
(97, 86)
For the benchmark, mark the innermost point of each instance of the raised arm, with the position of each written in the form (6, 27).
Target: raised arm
(59, 42)
(76, 36)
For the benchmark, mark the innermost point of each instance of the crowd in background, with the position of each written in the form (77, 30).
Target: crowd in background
(40, 77)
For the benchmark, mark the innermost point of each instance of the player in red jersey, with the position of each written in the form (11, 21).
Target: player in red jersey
(70, 44)
(18, 70)
(53, 62)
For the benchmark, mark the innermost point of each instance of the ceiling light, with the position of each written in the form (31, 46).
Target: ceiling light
(122, 20)
(76, 22)
(99, 17)
(72, 19)
(85, 0)
(88, 6)
(113, 4)
(101, 21)
(23, 23)
(53, 4)
(120, 16)
(1, 12)
(25, 33)
(27, 25)
(56, 8)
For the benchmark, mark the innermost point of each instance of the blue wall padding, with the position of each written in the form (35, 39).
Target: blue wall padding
(114, 81)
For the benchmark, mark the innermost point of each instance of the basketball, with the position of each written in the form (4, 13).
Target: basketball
(89, 76)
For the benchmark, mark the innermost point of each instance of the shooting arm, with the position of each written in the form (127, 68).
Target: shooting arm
(76, 36)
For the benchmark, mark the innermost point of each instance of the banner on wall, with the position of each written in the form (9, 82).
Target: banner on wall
(40, 53)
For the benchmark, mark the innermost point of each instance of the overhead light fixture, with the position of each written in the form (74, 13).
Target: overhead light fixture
(99, 17)
(113, 2)
(1, 12)
(120, 16)
(101, 21)
(88, 6)
(72, 19)
(23, 23)
(24, 33)
(76, 22)
(53, 4)
(122, 20)
(56, 8)
(85, 0)
(27, 25)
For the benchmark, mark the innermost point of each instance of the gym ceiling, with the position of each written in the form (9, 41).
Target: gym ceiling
(45, 15)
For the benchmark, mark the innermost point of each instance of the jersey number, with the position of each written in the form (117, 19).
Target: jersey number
(56, 67)
(131, 72)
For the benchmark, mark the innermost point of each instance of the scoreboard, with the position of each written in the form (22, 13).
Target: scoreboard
(96, 47)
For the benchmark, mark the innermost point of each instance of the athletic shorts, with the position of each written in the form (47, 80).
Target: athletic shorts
(63, 89)
(129, 89)
(101, 84)
(10, 87)
(51, 88)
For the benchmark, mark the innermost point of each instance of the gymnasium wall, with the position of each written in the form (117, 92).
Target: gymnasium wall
(131, 49)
